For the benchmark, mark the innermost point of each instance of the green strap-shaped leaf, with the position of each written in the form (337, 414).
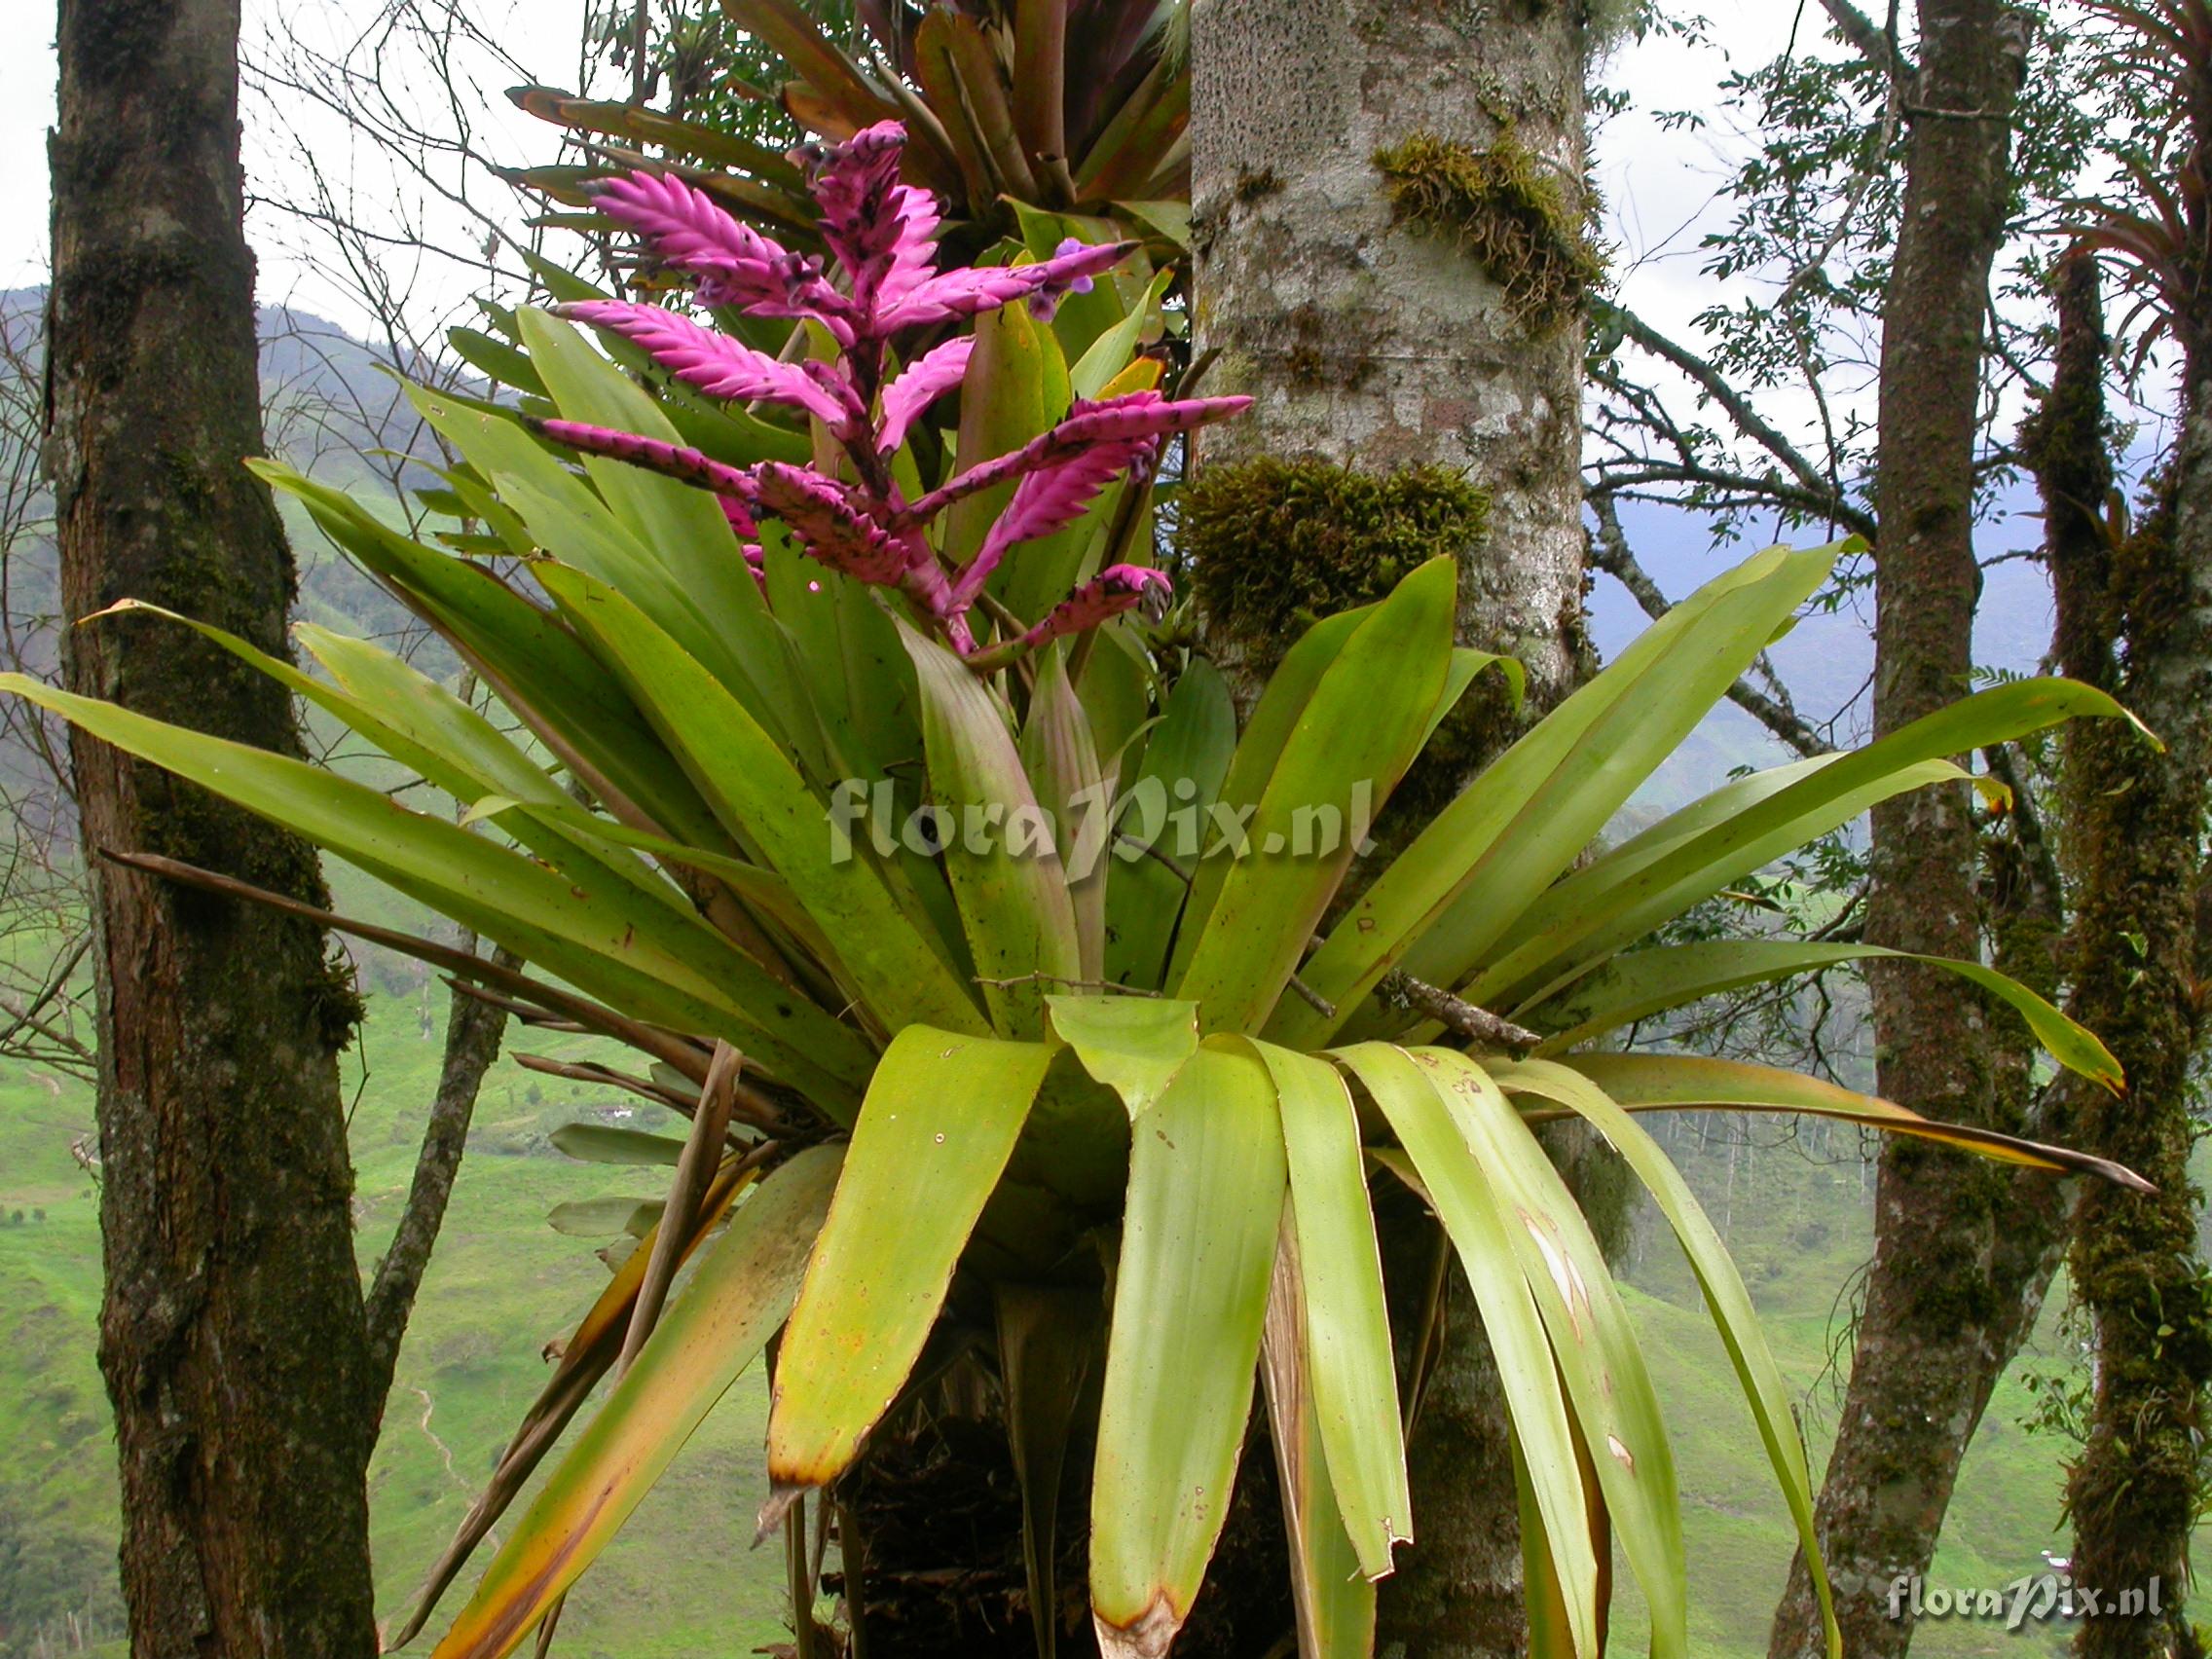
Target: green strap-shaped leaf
(1061, 758)
(1353, 742)
(1458, 887)
(1616, 1407)
(932, 1136)
(1013, 893)
(1186, 757)
(539, 670)
(1465, 665)
(1253, 761)
(1730, 1303)
(1645, 982)
(1016, 386)
(1599, 911)
(1206, 1184)
(740, 1293)
(570, 520)
(599, 1143)
(759, 792)
(1333, 1595)
(1132, 1045)
(1659, 1083)
(1345, 1325)
(681, 528)
(1111, 353)
(678, 523)
(1475, 1215)
(615, 944)
(1551, 1630)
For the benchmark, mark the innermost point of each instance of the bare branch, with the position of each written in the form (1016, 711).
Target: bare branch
(1814, 485)
(473, 1030)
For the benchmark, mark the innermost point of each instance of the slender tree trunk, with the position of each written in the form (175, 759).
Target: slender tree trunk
(231, 1333)
(1954, 1285)
(1391, 218)
(2136, 618)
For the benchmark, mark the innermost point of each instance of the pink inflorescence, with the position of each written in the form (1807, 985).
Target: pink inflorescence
(882, 288)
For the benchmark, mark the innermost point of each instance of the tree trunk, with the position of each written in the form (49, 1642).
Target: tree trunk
(231, 1332)
(1946, 1303)
(1391, 218)
(2136, 618)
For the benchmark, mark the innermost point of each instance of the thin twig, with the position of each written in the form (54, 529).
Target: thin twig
(694, 1170)
(1400, 990)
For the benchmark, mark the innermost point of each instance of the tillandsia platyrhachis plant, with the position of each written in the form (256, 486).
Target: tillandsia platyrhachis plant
(1090, 1100)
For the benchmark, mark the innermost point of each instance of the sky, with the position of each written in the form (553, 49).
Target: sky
(1658, 184)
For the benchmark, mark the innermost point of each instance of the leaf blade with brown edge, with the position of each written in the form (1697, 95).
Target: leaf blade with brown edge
(1438, 1164)
(1620, 1432)
(1206, 1185)
(1660, 1083)
(1333, 1595)
(589, 1351)
(1344, 1322)
(1765, 1390)
(741, 1292)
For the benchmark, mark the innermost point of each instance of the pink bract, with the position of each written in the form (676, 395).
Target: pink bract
(880, 291)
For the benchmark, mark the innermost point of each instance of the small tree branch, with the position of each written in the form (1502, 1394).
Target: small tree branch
(1400, 990)
(473, 1030)
(1812, 482)
(1878, 45)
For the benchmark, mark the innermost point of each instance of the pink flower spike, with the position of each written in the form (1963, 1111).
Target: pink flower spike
(683, 226)
(919, 384)
(1113, 590)
(1134, 415)
(830, 525)
(733, 485)
(877, 229)
(720, 366)
(1055, 495)
(986, 288)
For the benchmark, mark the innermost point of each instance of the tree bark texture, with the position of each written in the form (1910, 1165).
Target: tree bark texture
(231, 1332)
(1958, 1276)
(1372, 331)
(2135, 618)
(1388, 209)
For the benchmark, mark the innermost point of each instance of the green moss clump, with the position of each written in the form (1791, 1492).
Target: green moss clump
(1275, 545)
(1507, 212)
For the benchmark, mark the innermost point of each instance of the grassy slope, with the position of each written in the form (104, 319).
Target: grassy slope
(681, 1581)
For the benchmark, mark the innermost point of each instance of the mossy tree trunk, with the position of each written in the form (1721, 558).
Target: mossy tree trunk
(2135, 618)
(232, 1336)
(1962, 1252)
(1392, 217)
